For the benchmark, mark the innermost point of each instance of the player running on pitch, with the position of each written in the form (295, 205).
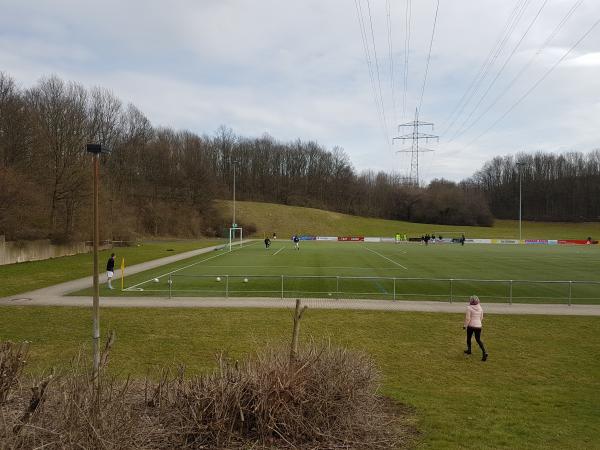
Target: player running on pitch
(296, 240)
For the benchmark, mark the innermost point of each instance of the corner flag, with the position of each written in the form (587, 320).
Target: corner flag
(122, 273)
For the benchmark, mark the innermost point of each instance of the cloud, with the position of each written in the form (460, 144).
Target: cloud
(587, 60)
(298, 70)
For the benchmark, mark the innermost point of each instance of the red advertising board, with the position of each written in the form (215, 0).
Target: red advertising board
(573, 241)
(351, 238)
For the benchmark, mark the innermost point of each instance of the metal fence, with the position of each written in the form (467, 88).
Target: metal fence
(387, 288)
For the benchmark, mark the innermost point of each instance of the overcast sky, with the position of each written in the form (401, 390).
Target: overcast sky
(298, 69)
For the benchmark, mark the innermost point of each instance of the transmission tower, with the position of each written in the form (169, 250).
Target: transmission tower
(415, 136)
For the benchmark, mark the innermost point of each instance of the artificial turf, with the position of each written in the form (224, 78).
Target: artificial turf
(383, 271)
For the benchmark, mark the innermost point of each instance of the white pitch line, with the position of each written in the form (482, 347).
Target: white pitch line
(277, 251)
(189, 265)
(385, 257)
(302, 267)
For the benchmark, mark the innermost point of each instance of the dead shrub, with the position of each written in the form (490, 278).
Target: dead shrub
(323, 397)
(12, 360)
(326, 398)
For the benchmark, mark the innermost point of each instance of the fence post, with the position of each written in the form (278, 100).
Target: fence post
(510, 292)
(570, 291)
(337, 287)
(170, 284)
(282, 287)
(451, 290)
(226, 286)
(394, 289)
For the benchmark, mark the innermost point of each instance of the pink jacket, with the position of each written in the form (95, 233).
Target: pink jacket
(474, 316)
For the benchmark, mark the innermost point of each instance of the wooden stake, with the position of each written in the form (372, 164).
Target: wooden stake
(297, 317)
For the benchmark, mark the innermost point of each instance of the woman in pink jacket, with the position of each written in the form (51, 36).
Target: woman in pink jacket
(473, 323)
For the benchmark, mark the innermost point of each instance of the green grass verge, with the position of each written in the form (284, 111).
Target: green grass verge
(289, 220)
(539, 388)
(382, 262)
(27, 276)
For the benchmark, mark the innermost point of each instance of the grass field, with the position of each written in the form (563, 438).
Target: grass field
(289, 220)
(381, 271)
(27, 276)
(539, 389)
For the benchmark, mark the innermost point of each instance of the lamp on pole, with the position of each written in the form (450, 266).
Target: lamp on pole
(520, 165)
(233, 223)
(96, 150)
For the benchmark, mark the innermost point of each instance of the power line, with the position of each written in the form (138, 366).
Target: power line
(407, 23)
(461, 129)
(388, 8)
(492, 61)
(364, 38)
(492, 56)
(378, 78)
(549, 39)
(429, 54)
(537, 83)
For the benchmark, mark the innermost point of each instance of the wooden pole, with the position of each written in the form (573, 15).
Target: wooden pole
(297, 317)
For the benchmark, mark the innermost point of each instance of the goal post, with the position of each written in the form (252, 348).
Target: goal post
(233, 233)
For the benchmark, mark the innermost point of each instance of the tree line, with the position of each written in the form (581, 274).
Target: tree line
(563, 187)
(163, 182)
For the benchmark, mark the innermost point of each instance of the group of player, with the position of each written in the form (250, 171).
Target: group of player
(427, 237)
(295, 239)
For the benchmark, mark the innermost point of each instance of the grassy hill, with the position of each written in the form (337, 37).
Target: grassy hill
(287, 220)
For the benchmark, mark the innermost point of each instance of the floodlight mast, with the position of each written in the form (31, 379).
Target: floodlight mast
(96, 150)
(520, 165)
(234, 163)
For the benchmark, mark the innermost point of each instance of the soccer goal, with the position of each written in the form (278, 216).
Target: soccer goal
(234, 234)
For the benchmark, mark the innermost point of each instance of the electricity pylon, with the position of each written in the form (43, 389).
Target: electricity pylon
(415, 149)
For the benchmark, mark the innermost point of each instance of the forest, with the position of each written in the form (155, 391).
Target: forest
(158, 181)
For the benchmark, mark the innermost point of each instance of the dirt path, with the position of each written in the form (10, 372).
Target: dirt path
(55, 296)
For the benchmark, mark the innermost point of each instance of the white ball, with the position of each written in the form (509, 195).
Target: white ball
(329, 294)
(218, 278)
(245, 280)
(156, 280)
(140, 289)
(169, 281)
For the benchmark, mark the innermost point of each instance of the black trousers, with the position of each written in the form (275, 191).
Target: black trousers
(477, 332)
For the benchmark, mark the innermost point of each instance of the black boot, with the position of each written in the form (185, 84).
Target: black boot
(484, 357)
(467, 351)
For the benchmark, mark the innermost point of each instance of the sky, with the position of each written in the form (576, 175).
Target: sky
(299, 69)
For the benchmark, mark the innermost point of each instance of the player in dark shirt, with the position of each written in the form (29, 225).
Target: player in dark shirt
(110, 270)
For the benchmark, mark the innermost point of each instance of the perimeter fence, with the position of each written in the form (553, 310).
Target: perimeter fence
(383, 288)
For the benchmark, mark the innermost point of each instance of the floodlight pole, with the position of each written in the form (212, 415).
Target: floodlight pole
(233, 222)
(96, 300)
(96, 150)
(520, 165)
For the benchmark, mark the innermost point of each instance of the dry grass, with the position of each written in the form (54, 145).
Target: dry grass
(325, 397)
(13, 358)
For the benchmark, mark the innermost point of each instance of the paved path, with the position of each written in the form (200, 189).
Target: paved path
(55, 296)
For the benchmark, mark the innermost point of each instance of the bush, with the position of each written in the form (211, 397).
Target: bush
(326, 397)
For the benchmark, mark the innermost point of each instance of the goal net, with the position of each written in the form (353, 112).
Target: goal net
(235, 234)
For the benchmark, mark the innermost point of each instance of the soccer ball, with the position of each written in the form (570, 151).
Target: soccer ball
(169, 281)
(218, 278)
(156, 280)
(245, 280)
(329, 294)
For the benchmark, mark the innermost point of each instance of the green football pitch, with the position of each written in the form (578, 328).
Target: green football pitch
(446, 272)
